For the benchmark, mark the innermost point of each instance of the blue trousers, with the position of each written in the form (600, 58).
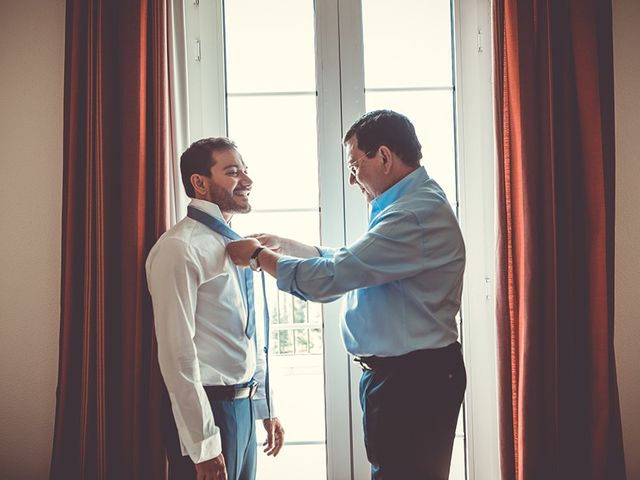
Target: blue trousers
(237, 424)
(410, 409)
(236, 421)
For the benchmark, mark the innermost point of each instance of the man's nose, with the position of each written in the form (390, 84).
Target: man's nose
(246, 180)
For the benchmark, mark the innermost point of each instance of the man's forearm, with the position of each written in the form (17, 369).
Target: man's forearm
(269, 261)
(294, 248)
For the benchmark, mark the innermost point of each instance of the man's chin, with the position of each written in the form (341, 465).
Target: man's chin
(246, 208)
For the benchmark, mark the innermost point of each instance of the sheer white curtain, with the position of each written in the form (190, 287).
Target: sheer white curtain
(179, 131)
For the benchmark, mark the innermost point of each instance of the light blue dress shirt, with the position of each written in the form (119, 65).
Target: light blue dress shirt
(403, 277)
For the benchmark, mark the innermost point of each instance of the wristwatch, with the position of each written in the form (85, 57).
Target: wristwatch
(254, 262)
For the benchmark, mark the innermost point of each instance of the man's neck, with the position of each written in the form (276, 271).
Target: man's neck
(226, 215)
(400, 175)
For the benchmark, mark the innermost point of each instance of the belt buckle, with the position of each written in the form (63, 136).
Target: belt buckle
(363, 364)
(253, 388)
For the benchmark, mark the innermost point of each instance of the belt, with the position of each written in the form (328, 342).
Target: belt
(407, 360)
(231, 392)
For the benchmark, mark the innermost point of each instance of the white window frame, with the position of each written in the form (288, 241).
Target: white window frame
(340, 86)
(476, 187)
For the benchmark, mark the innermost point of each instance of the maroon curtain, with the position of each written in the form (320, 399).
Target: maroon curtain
(555, 138)
(115, 192)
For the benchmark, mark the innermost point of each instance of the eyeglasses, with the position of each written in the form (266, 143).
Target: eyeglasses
(354, 165)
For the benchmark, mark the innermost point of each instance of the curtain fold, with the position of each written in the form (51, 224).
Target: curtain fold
(178, 105)
(116, 186)
(559, 411)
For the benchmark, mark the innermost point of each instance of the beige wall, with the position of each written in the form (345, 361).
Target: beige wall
(31, 88)
(626, 26)
(31, 91)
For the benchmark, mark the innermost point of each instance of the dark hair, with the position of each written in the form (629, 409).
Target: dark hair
(198, 158)
(386, 127)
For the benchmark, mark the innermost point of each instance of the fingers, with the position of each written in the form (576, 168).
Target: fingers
(214, 469)
(267, 240)
(278, 441)
(240, 251)
(261, 237)
(222, 472)
(268, 444)
(275, 441)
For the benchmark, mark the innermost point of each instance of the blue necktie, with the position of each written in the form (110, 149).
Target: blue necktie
(247, 289)
(249, 299)
(245, 273)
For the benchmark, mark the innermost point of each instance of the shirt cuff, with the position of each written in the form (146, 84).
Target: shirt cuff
(261, 409)
(207, 449)
(286, 273)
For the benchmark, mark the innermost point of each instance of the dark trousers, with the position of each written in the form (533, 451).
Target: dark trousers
(236, 421)
(410, 409)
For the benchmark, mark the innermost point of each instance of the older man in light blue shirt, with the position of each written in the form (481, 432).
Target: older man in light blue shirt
(403, 282)
(408, 266)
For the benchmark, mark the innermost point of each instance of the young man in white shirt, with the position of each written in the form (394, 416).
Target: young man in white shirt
(206, 334)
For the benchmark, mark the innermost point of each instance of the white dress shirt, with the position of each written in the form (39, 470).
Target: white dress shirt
(200, 320)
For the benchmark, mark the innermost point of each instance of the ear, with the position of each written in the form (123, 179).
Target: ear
(387, 159)
(198, 184)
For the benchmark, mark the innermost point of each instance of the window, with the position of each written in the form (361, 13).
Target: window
(271, 114)
(284, 79)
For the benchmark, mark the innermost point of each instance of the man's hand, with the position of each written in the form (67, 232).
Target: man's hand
(286, 246)
(275, 436)
(240, 251)
(214, 469)
(272, 242)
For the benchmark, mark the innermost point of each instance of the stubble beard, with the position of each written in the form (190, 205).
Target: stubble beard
(226, 201)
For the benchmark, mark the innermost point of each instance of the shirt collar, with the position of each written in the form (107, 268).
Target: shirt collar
(397, 190)
(207, 207)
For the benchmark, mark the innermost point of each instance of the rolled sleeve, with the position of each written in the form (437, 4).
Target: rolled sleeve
(286, 273)
(326, 252)
(312, 290)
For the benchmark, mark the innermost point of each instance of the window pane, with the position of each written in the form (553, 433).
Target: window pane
(284, 305)
(315, 340)
(315, 313)
(276, 136)
(294, 462)
(270, 48)
(432, 115)
(299, 311)
(299, 394)
(284, 341)
(407, 43)
(301, 337)
(270, 45)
